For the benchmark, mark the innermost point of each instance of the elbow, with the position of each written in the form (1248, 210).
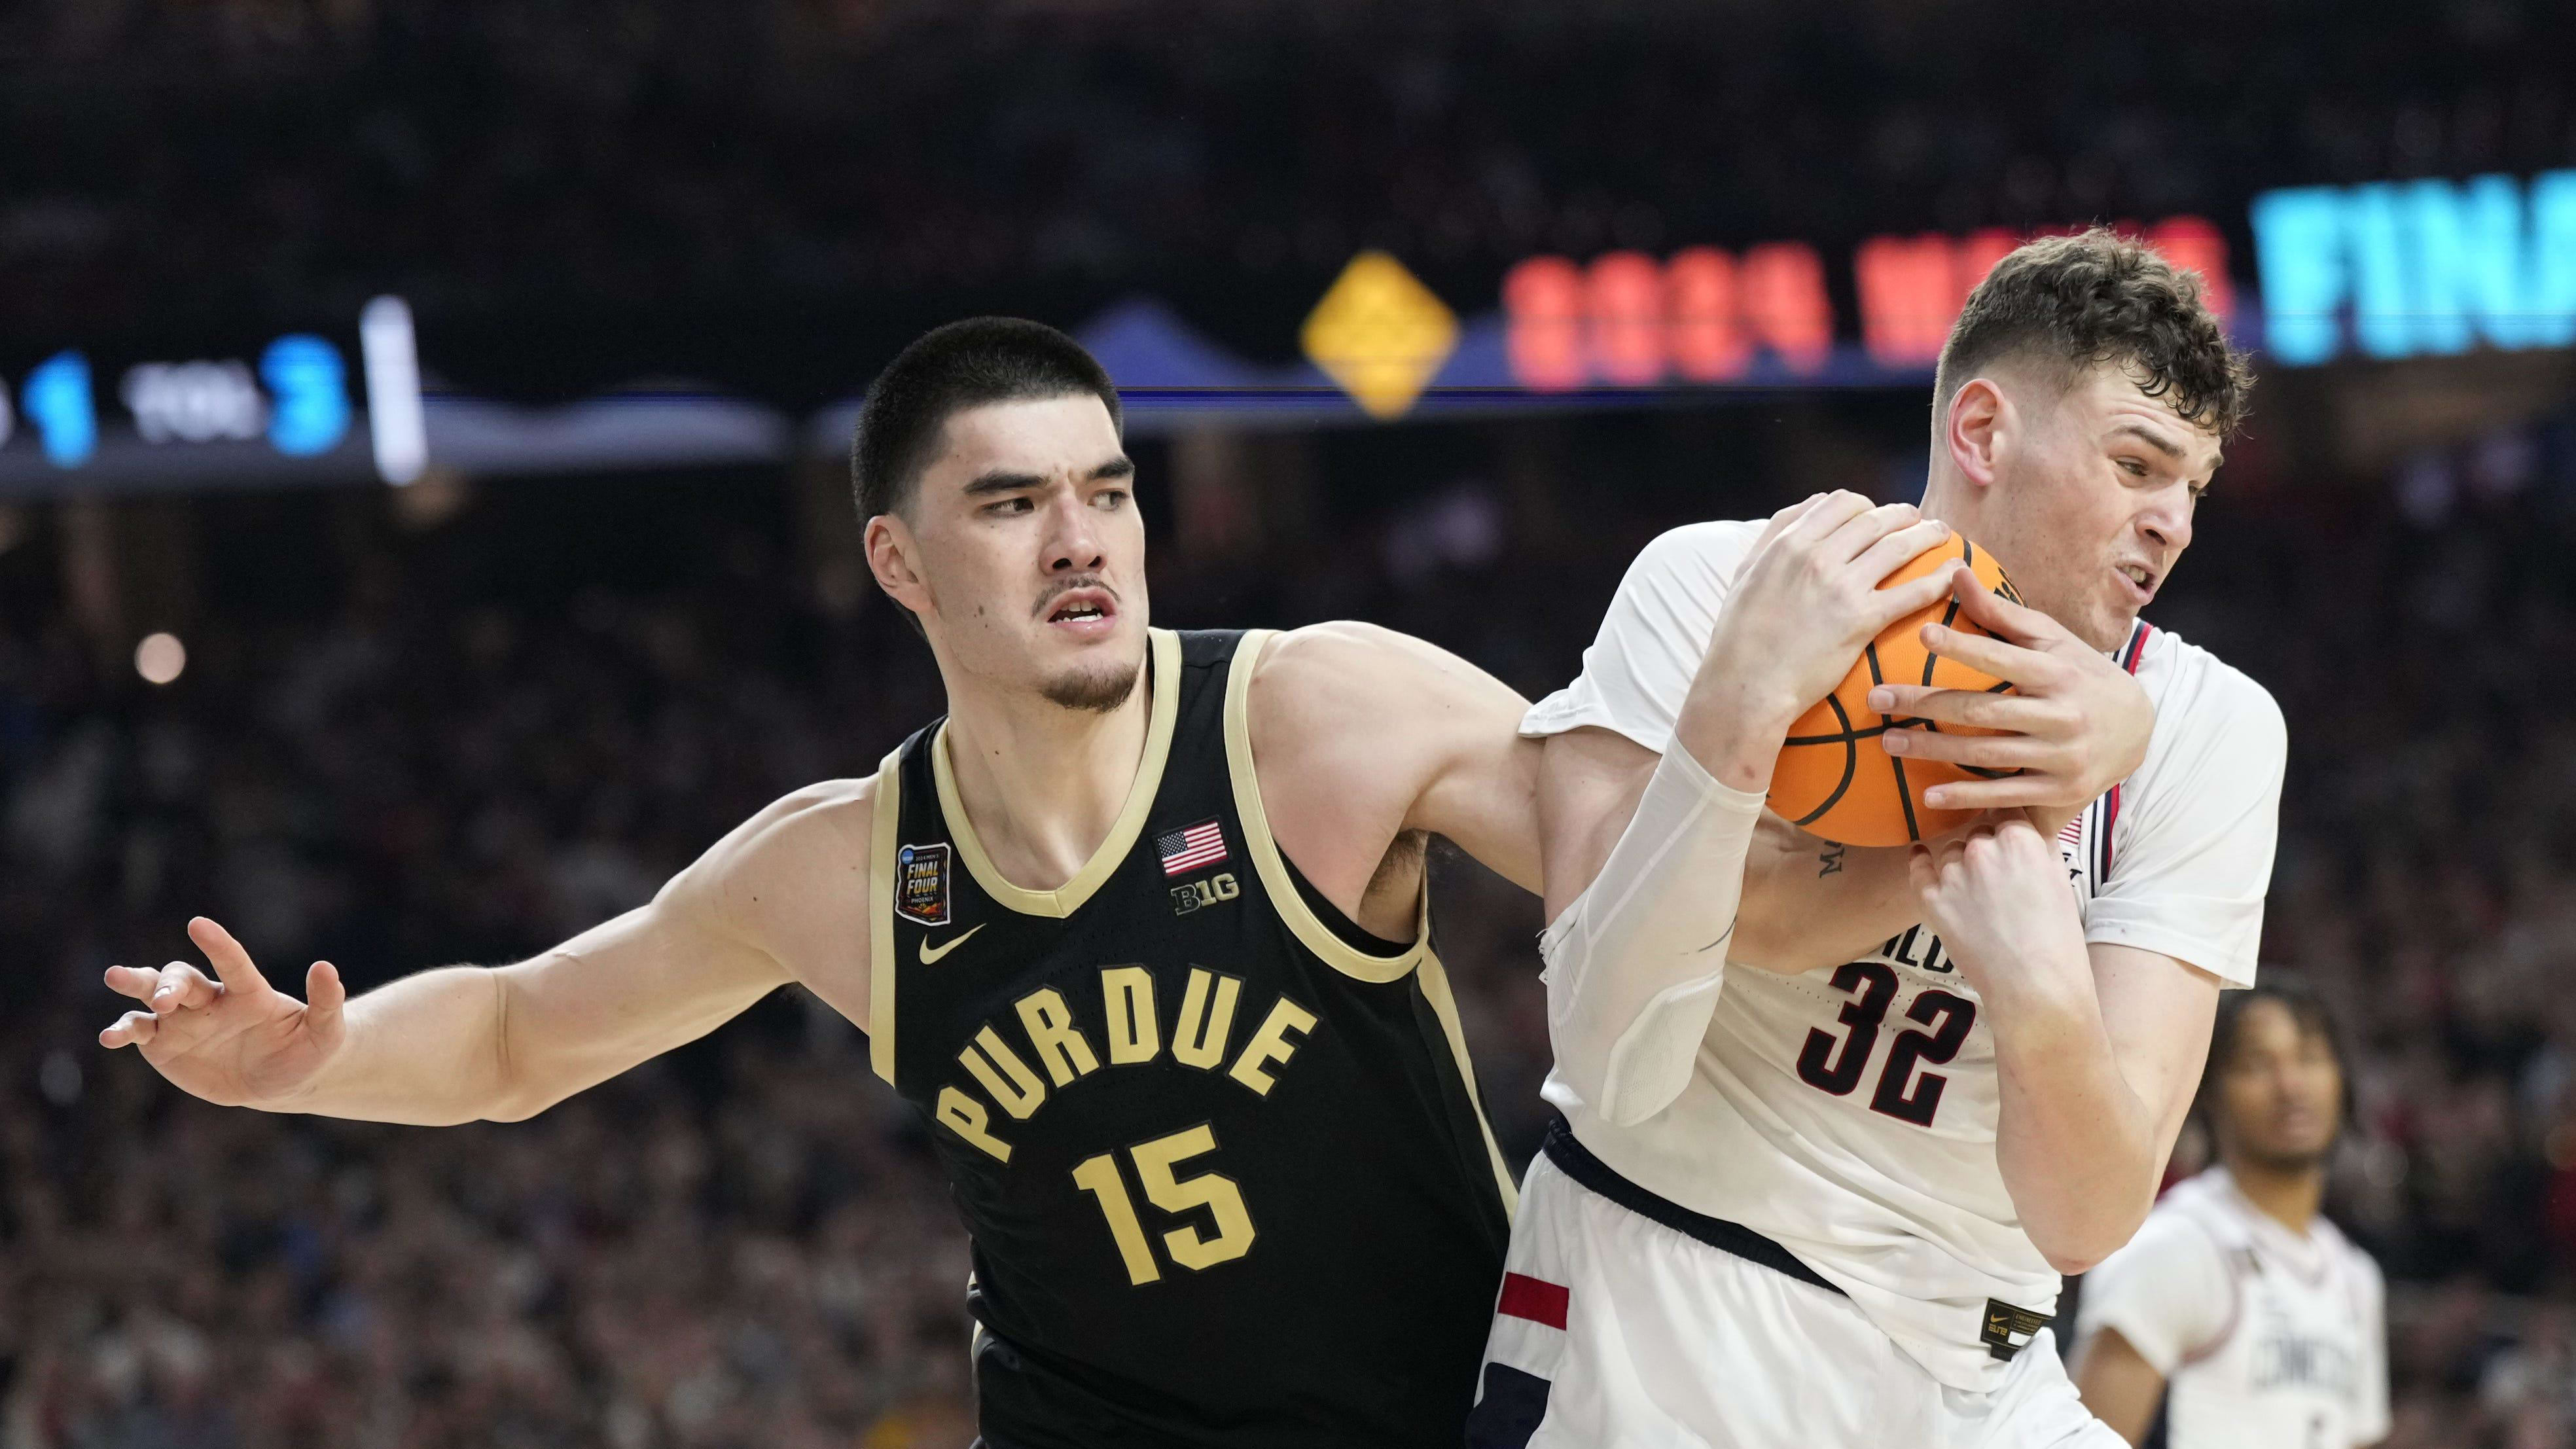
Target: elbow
(2071, 1264)
(2080, 1248)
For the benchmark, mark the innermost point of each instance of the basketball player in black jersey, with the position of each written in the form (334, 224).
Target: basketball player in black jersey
(1139, 928)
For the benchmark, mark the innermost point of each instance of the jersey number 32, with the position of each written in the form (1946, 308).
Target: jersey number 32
(1834, 1064)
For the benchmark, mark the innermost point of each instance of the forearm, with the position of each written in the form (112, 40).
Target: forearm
(1810, 903)
(2079, 1149)
(426, 1051)
(1636, 963)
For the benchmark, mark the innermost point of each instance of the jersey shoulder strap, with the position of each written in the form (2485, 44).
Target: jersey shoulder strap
(1278, 880)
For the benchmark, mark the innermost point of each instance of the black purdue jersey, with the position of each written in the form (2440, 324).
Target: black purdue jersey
(1219, 1151)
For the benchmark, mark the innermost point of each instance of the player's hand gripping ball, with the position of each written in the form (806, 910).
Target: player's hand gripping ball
(1833, 780)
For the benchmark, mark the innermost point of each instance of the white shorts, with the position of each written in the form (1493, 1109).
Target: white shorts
(1616, 1332)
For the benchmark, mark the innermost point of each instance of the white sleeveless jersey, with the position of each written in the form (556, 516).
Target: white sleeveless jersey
(2268, 1339)
(1849, 1113)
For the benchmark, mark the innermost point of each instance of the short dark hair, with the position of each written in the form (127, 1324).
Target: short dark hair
(946, 371)
(2098, 297)
(2292, 994)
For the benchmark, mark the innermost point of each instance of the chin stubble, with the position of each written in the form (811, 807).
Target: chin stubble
(1098, 693)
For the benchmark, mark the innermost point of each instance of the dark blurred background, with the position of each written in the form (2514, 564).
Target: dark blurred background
(457, 719)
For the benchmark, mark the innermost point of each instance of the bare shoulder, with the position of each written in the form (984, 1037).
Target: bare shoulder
(1342, 674)
(808, 848)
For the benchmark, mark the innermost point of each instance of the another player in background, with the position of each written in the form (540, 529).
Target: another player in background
(1822, 1164)
(2238, 1309)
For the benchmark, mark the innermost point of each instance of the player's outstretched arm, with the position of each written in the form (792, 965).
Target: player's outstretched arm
(464, 1043)
(2097, 1047)
(1646, 856)
(1362, 734)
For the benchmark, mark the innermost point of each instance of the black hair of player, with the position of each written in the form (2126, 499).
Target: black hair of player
(2073, 302)
(946, 371)
(2307, 1010)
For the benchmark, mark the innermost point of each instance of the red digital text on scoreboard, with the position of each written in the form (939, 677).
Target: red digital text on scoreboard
(1701, 315)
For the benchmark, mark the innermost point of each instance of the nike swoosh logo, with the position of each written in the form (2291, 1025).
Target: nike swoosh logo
(930, 955)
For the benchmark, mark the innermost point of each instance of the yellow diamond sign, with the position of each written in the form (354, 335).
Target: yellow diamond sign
(1380, 333)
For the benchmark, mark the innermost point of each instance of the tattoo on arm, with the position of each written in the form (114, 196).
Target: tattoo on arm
(1830, 863)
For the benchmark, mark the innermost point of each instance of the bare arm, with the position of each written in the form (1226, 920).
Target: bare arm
(2117, 1384)
(464, 1043)
(1361, 735)
(2097, 1048)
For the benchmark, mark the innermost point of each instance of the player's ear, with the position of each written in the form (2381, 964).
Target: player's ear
(894, 557)
(1979, 416)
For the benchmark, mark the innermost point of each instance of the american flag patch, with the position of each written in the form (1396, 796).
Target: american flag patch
(1186, 849)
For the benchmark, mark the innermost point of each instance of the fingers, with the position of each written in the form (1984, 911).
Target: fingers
(1895, 601)
(135, 981)
(2010, 793)
(1985, 752)
(1996, 614)
(2025, 668)
(324, 995)
(231, 962)
(1863, 526)
(1783, 519)
(182, 987)
(1826, 518)
(132, 1029)
(1973, 709)
(1900, 546)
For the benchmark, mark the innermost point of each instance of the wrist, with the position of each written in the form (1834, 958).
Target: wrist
(1734, 728)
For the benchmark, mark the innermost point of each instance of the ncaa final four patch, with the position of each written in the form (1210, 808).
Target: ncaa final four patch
(921, 883)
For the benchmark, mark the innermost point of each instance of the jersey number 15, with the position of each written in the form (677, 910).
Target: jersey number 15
(1099, 1176)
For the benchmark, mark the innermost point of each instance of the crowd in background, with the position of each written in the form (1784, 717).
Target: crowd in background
(179, 163)
(746, 1244)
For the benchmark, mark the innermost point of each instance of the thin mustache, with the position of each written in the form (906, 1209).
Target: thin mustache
(1069, 585)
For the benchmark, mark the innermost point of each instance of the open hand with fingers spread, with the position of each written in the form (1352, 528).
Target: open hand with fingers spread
(2076, 723)
(232, 1038)
(1805, 602)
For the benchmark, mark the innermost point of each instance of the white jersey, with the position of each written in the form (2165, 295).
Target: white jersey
(2267, 1338)
(1849, 1113)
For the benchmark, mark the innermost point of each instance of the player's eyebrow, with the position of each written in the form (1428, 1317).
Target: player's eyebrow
(2152, 439)
(1002, 480)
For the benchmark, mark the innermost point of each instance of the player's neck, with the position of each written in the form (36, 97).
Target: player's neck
(2291, 1197)
(1042, 784)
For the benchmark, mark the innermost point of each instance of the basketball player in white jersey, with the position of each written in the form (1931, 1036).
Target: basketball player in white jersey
(1822, 1165)
(2238, 1308)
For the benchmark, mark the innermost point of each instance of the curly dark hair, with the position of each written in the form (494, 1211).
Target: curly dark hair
(2098, 297)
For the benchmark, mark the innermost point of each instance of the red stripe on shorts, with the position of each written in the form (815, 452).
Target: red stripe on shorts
(1539, 1302)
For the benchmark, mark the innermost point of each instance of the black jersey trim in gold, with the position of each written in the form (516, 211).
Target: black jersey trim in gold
(1284, 897)
(883, 846)
(1163, 683)
(1311, 931)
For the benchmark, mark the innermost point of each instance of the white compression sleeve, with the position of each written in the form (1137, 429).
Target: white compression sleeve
(1634, 966)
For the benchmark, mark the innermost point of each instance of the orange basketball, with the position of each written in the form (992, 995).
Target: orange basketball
(1833, 780)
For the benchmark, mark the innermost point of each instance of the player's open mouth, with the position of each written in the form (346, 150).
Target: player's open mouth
(2141, 581)
(1082, 611)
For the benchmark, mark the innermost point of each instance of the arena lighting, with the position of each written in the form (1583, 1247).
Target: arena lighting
(1703, 315)
(2404, 269)
(160, 658)
(394, 419)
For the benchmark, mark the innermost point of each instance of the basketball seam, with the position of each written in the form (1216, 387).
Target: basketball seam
(1851, 764)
